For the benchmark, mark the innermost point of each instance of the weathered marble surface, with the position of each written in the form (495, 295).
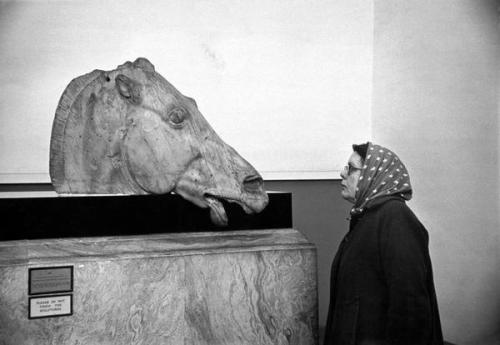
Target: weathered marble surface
(245, 287)
(129, 131)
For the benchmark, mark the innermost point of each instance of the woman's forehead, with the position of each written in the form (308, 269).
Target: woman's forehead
(355, 159)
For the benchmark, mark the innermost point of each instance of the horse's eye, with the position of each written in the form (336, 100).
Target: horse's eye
(177, 116)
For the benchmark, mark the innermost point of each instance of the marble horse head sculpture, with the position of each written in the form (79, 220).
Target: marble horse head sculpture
(129, 131)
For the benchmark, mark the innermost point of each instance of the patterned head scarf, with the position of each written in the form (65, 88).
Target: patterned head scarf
(383, 174)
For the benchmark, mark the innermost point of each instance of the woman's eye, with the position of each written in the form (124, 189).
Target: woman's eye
(177, 116)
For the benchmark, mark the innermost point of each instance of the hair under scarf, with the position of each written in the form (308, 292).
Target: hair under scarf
(383, 174)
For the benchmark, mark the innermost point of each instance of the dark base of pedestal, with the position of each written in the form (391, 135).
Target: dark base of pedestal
(83, 216)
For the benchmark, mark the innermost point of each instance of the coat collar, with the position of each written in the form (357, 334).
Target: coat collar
(373, 206)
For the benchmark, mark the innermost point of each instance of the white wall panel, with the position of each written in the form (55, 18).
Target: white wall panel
(286, 83)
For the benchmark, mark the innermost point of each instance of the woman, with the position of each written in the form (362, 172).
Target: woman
(382, 289)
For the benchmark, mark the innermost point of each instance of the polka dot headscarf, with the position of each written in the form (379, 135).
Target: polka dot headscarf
(383, 174)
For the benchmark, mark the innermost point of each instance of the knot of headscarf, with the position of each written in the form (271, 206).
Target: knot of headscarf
(383, 174)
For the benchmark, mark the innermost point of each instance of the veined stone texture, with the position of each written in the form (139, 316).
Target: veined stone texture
(235, 287)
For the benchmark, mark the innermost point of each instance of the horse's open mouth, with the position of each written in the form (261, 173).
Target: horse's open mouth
(217, 212)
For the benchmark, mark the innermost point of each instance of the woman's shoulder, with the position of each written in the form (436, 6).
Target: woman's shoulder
(390, 204)
(395, 204)
(396, 209)
(396, 214)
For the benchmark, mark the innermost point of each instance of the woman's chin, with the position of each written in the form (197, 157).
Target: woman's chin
(346, 196)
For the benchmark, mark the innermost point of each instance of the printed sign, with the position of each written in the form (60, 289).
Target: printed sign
(50, 306)
(48, 280)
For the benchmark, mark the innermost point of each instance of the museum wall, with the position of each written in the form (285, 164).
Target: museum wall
(435, 102)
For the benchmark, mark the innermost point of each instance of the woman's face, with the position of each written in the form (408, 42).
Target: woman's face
(350, 177)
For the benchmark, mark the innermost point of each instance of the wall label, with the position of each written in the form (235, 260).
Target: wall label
(50, 306)
(48, 280)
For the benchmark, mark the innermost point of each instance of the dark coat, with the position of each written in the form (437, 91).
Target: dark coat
(382, 288)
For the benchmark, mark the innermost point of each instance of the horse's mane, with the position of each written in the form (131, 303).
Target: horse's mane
(70, 95)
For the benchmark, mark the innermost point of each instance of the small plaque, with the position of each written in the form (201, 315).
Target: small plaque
(48, 280)
(50, 306)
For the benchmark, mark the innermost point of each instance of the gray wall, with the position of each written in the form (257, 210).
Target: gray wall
(320, 213)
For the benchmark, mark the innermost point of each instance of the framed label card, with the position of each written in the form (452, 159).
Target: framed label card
(49, 280)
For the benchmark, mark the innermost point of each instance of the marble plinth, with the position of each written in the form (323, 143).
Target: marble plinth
(236, 287)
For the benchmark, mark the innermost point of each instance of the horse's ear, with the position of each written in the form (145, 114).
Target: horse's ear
(192, 101)
(128, 88)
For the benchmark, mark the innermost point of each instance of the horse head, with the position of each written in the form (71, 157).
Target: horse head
(129, 131)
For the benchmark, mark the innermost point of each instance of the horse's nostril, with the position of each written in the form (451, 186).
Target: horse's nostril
(253, 183)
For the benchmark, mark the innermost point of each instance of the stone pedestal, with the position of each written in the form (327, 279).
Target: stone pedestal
(234, 287)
